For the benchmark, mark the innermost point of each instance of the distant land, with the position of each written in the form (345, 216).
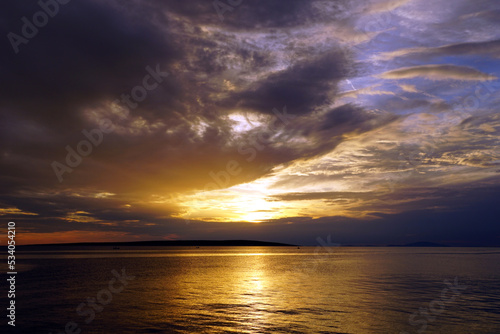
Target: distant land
(420, 244)
(159, 243)
(217, 243)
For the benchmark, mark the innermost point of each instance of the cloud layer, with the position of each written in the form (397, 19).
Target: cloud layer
(303, 112)
(438, 72)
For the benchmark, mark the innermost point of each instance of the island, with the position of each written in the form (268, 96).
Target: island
(160, 243)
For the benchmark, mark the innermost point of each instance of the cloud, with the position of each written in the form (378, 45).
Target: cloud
(365, 91)
(438, 72)
(488, 48)
(77, 70)
(379, 6)
(71, 64)
(409, 88)
(68, 78)
(304, 86)
(225, 79)
(320, 195)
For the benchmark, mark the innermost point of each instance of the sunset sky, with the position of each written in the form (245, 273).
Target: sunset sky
(369, 121)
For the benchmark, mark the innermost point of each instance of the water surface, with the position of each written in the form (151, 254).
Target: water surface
(262, 290)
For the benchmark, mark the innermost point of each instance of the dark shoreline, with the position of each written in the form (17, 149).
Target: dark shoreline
(222, 243)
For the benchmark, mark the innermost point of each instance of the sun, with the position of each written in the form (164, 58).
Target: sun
(249, 202)
(229, 205)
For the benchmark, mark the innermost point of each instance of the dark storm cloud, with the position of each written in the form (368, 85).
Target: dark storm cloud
(65, 79)
(72, 66)
(348, 118)
(87, 52)
(262, 14)
(307, 85)
(256, 14)
(91, 52)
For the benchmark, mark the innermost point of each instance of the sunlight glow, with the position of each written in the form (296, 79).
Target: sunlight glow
(245, 121)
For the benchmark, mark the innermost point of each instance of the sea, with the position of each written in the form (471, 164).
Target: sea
(354, 290)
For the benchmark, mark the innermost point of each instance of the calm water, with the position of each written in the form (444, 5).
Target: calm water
(262, 290)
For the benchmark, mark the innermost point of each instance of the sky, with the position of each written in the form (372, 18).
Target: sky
(360, 122)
